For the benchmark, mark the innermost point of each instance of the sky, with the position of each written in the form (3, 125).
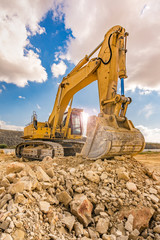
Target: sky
(41, 41)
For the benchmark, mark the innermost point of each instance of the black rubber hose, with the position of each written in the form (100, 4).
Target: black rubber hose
(105, 63)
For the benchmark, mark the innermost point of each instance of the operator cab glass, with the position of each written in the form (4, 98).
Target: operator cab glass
(76, 126)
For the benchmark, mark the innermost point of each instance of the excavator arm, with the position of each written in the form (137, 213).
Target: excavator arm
(106, 68)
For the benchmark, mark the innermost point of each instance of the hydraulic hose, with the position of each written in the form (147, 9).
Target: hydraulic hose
(105, 63)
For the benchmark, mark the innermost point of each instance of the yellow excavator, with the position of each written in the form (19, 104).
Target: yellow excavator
(110, 133)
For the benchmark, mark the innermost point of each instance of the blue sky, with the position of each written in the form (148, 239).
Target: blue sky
(41, 43)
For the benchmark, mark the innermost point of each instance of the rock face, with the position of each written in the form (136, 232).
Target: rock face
(78, 199)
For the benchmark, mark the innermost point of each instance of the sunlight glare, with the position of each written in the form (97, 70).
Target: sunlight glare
(85, 116)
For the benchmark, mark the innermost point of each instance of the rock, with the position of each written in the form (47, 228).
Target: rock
(85, 238)
(62, 230)
(123, 176)
(5, 199)
(4, 182)
(93, 234)
(134, 234)
(92, 176)
(102, 225)
(19, 235)
(122, 238)
(4, 225)
(2, 189)
(141, 216)
(131, 186)
(108, 237)
(16, 187)
(19, 198)
(52, 200)
(28, 195)
(71, 170)
(42, 175)
(104, 176)
(44, 206)
(81, 207)
(69, 222)
(11, 225)
(152, 190)
(15, 167)
(28, 185)
(5, 236)
(30, 172)
(64, 197)
(79, 189)
(19, 224)
(156, 229)
(129, 223)
(78, 229)
(99, 208)
(121, 228)
(11, 177)
(118, 233)
(148, 172)
(122, 195)
(154, 198)
(120, 158)
(50, 172)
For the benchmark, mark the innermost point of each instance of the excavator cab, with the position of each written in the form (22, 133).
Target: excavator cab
(74, 127)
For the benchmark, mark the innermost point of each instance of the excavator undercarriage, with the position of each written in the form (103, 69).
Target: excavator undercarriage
(38, 149)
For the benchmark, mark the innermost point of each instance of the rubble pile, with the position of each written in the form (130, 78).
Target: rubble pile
(75, 198)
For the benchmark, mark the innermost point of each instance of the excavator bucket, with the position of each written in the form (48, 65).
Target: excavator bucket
(104, 141)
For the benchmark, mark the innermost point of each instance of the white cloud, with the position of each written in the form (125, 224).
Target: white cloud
(21, 97)
(38, 106)
(145, 92)
(4, 125)
(4, 87)
(0, 90)
(147, 110)
(20, 20)
(150, 134)
(140, 18)
(58, 69)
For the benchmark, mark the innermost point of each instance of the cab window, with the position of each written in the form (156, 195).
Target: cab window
(76, 124)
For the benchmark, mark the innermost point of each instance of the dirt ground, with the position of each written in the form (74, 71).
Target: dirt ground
(150, 160)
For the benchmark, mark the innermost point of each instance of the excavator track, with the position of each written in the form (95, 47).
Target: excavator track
(37, 150)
